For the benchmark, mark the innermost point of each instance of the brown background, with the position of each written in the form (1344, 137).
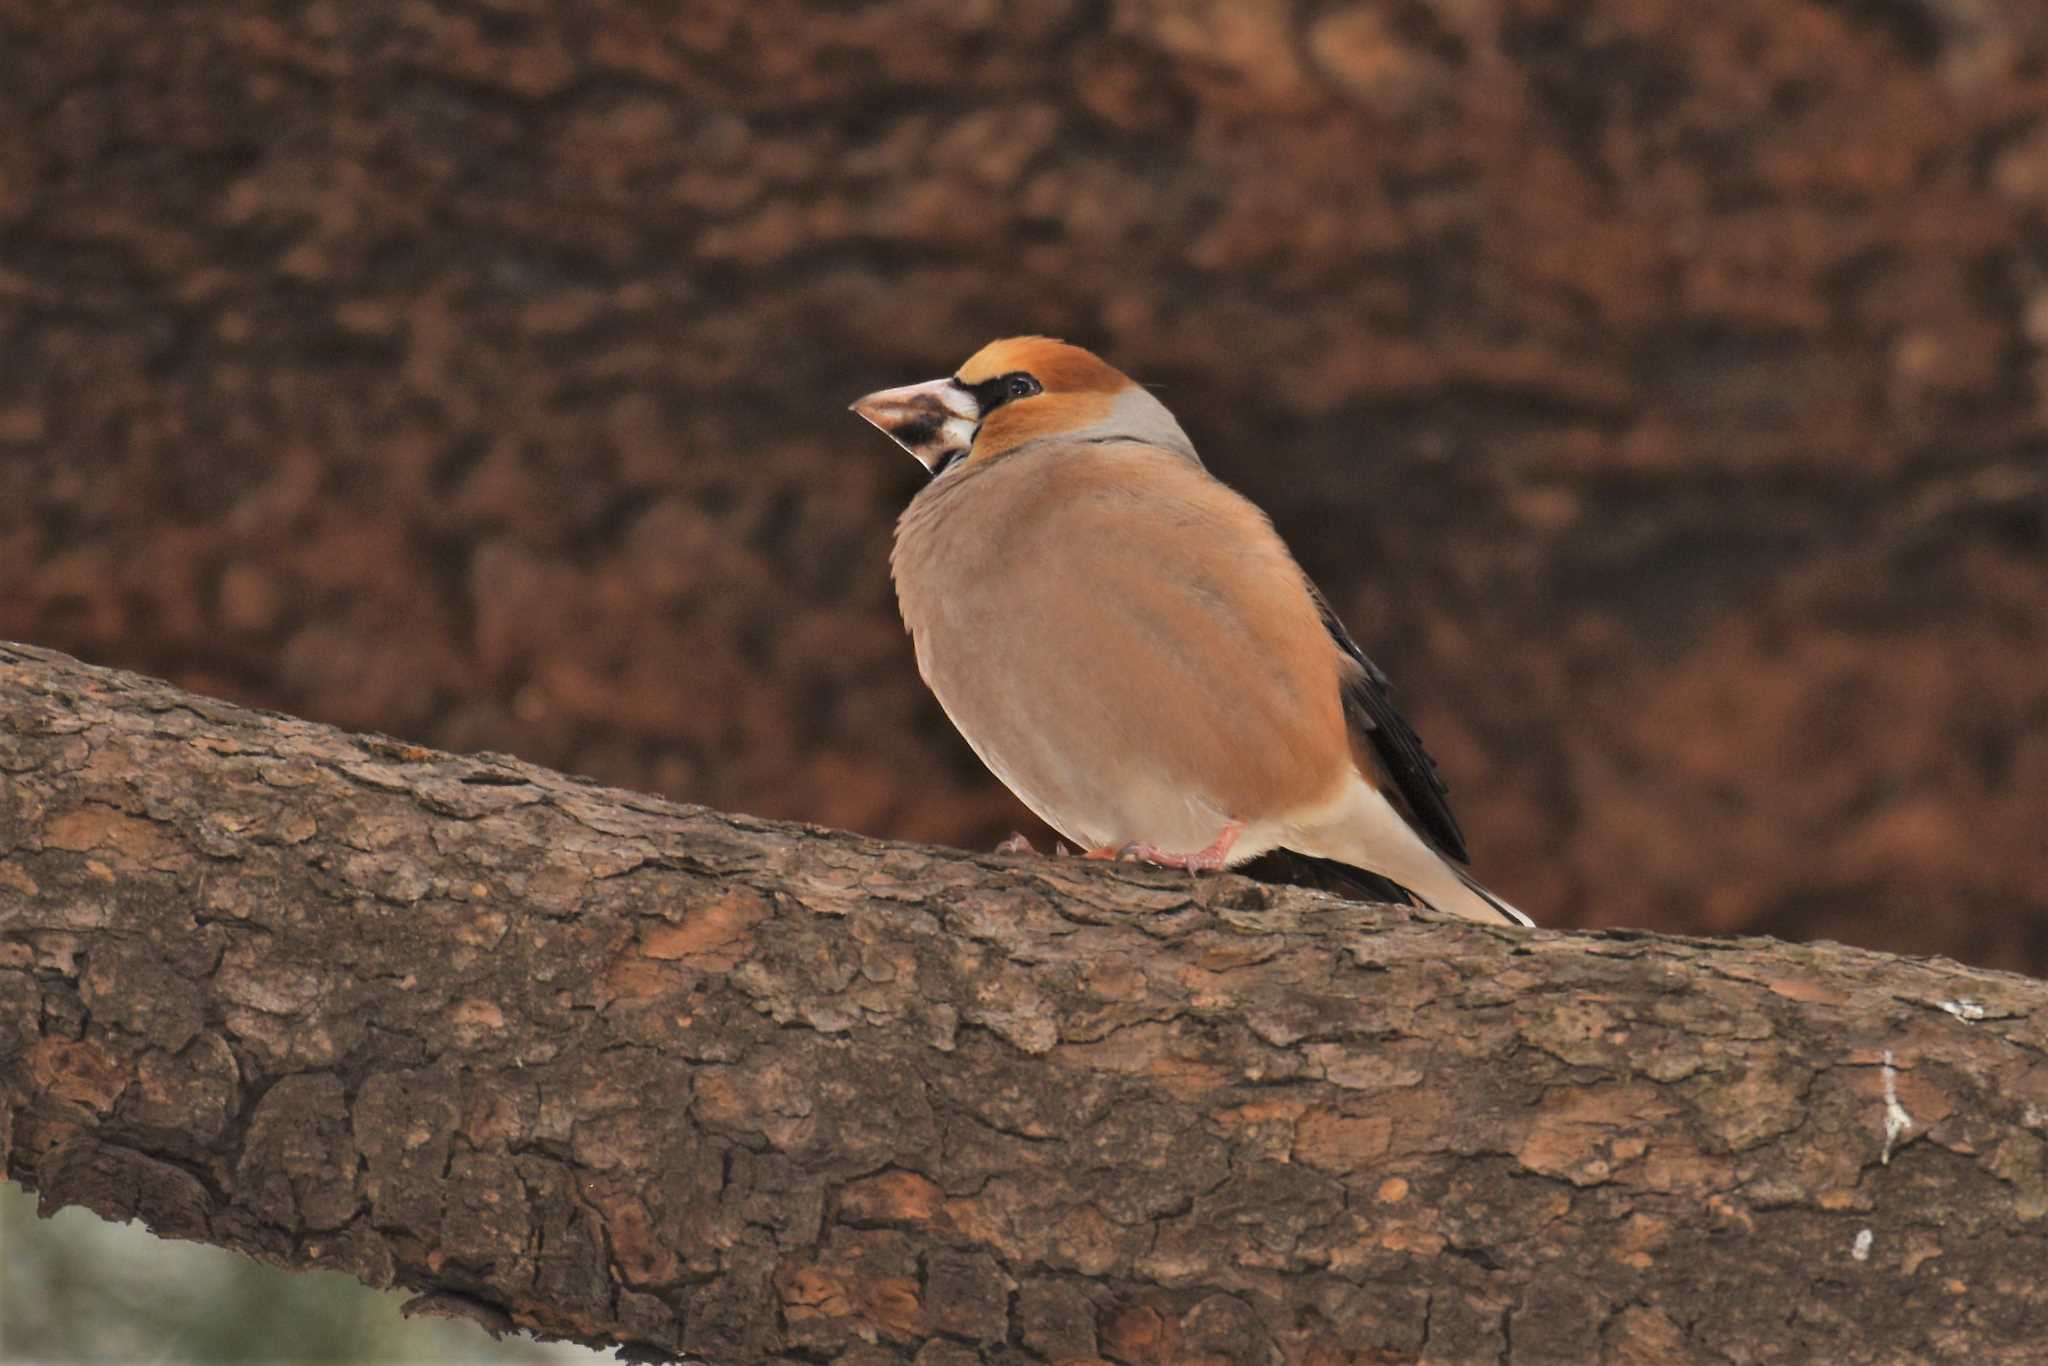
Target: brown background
(1658, 389)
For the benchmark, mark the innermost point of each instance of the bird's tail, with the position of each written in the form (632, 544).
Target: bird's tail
(1477, 903)
(1444, 886)
(1366, 831)
(1454, 891)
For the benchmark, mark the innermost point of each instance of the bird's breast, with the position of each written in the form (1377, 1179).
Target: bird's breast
(1097, 644)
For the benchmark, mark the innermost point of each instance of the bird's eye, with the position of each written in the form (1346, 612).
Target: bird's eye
(994, 392)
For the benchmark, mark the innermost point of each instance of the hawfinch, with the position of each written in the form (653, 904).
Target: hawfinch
(1130, 647)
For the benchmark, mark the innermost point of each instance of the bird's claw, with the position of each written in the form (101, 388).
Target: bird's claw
(1202, 861)
(1209, 860)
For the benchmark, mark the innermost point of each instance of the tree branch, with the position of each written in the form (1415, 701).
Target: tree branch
(632, 1072)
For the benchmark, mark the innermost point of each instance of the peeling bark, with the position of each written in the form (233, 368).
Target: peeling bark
(602, 1066)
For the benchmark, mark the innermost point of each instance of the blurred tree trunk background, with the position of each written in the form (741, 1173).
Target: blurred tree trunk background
(1657, 388)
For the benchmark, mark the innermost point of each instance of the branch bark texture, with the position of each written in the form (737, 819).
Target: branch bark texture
(627, 1071)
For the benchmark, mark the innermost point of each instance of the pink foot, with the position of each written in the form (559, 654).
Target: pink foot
(1015, 844)
(1201, 861)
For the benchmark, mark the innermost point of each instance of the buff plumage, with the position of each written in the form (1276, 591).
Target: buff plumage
(1128, 644)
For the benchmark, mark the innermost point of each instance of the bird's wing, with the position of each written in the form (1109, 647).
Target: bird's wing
(1326, 875)
(1413, 784)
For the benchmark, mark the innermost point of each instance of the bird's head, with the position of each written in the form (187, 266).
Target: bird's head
(1013, 392)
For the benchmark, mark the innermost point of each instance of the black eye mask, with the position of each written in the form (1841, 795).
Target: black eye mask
(992, 394)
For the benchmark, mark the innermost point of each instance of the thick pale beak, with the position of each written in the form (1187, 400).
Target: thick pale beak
(934, 421)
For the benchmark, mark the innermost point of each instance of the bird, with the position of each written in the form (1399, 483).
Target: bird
(1128, 645)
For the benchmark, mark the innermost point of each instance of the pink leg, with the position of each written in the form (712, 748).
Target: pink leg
(1204, 860)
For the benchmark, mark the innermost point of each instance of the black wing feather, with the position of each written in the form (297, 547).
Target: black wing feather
(1326, 875)
(1417, 784)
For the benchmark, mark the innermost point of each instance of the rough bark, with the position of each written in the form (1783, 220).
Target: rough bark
(598, 1065)
(1658, 387)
